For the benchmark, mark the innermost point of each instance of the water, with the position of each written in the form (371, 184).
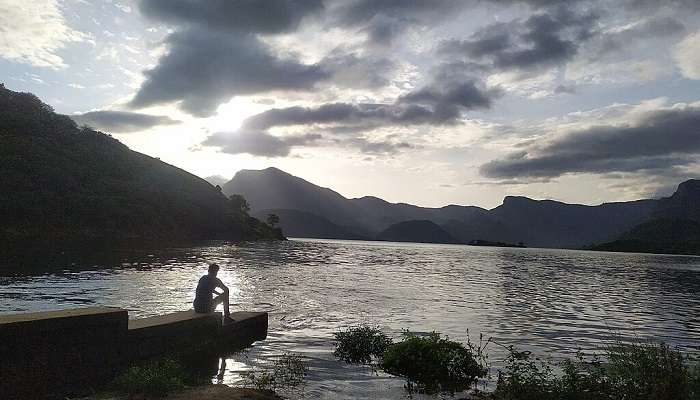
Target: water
(551, 302)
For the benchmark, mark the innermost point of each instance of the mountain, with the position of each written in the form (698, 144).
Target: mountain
(272, 188)
(661, 236)
(295, 223)
(65, 182)
(673, 228)
(536, 223)
(547, 223)
(417, 231)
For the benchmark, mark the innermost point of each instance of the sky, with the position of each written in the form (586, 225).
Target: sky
(430, 102)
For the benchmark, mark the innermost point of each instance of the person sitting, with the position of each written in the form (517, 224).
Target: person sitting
(207, 298)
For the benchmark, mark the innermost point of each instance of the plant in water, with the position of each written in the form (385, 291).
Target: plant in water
(286, 374)
(637, 371)
(155, 379)
(361, 344)
(433, 363)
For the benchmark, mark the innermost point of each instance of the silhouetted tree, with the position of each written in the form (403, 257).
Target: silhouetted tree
(239, 203)
(272, 220)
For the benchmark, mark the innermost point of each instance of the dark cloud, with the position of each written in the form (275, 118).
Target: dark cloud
(660, 141)
(260, 16)
(121, 121)
(216, 54)
(544, 39)
(427, 106)
(203, 69)
(384, 20)
(258, 143)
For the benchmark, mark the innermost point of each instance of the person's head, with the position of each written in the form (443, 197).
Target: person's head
(213, 269)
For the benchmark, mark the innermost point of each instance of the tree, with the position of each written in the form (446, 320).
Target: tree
(239, 203)
(272, 220)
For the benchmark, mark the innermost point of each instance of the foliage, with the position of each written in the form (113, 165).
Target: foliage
(286, 374)
(156, 378)
(637, 371)
(273, 219)
(361, 344)
(238, 203)
(433, 363)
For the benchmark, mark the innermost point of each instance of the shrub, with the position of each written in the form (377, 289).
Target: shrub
(361, 345)
(638, 371)
(156, 378)
(287, 373)
(433, 364)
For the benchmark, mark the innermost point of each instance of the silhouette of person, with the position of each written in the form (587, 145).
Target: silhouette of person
(207, 298)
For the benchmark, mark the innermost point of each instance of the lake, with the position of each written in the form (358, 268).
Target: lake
(551, 302)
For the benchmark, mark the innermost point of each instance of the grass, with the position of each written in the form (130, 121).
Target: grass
(286, 375)
(154, 379)
(627, 371)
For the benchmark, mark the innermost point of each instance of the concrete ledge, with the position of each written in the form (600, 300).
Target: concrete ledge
(179, 332)
(247, 328)
(47, 354)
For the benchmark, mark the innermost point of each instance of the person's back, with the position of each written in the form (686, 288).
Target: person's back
(203, 294)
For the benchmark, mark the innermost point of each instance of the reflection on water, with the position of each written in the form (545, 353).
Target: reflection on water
(548, 301)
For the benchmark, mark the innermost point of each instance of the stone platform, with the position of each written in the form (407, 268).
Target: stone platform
(45, 354)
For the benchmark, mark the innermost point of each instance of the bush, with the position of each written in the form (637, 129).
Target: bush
(361, 345)
(433, 364)
(155, 379)
(639, 371)
(287, 373)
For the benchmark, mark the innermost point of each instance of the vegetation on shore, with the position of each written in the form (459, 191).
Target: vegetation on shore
(435, 364)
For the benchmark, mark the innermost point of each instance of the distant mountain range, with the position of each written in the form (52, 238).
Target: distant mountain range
(63, 182)
(307, 210)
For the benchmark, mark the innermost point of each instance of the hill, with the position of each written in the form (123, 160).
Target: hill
(673, 228)
(65, 182)
(537, 223)
(417, 231)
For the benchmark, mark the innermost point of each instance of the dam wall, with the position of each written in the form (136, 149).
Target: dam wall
(49, 354)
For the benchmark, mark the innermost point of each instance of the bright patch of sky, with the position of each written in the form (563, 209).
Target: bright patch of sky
(429, 102)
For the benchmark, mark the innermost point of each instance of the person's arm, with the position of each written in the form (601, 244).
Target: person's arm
(220, 285)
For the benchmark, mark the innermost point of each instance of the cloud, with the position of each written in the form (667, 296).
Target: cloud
(542, 40)
(215, 53)
(121, 121)
(34, 31)
(656, 142)
(431, 105)
(258, 143)
(384, 20)
(203, 69)
(240, 16)
(383, 147)
(687, 56)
